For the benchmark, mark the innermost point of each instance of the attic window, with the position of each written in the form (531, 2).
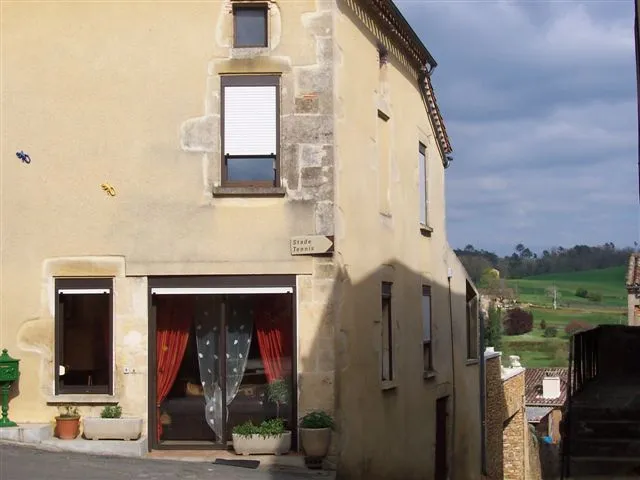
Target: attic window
(383, 54)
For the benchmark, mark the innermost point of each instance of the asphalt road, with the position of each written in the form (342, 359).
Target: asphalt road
(27, 463)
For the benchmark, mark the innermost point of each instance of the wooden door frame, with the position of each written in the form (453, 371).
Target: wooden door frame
(214, 281)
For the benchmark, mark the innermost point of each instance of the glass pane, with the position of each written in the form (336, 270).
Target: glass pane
(243, 169)
(86, 322)
(387, 368)
(265, 368)
(251, 26)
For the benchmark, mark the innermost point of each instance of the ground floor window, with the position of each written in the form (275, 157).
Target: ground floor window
(84, 336)
(222, 359)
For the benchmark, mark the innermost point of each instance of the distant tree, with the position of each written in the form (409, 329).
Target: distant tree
(497, 289)
(582, 292)
(543, 324)
(594, 296)
(518, 322)
(550, 332)
(554, 294)
(493, 328)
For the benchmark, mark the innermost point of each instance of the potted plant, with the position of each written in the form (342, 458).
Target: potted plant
(268, 438)
(67, 422)
(111, 425)
(315, 435)
(278, 393)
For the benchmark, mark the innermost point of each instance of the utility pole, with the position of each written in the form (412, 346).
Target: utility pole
(555, 297)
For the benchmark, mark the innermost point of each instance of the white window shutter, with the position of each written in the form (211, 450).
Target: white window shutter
(250, 120)
(422, 175)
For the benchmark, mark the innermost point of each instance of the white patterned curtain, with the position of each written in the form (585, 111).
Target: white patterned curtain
(238, 329)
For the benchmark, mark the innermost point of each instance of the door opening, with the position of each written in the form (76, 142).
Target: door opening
(441, 472)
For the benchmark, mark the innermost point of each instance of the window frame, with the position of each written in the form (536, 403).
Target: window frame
(386, 296)
(427, 344)
(424, 207)
(249, 81)
(251, 6)
(80, 284)
(472, 334)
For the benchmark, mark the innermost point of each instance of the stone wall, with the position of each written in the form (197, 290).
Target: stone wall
(511, 448)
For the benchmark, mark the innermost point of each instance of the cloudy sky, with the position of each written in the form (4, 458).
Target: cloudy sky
(539, 100)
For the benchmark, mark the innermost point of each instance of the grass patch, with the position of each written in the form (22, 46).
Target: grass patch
(609, 282)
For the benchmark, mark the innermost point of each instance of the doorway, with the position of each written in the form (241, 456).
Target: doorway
(222, 357)
(441, 472)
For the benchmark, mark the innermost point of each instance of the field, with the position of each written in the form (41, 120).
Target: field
(534, 349)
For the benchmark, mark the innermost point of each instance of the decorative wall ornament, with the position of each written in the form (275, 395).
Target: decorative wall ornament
(107, 187)
(24, 157)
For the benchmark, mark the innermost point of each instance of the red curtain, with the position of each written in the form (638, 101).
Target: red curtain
(173, 321)
(273, 321)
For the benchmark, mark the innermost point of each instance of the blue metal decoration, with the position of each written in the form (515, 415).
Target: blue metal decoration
(24, 157)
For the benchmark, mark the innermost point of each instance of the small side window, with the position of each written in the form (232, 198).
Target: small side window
(250, 25)
(84, 336)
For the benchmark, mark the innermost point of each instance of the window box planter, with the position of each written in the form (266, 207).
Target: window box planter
(257, 444)
(124, 428)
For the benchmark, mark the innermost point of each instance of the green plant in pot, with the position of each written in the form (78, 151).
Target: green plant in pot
(269, 437)
(315, 434)
(67, 422)
(278, 393)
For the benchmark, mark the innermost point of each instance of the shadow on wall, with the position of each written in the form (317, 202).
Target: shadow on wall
(387, 430)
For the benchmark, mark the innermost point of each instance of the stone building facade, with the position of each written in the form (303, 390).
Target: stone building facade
(177, 152)
(511, 448)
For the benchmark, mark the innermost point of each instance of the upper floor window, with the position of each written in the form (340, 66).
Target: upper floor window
(250, 25)
(83, 336)
(250, 130)
(422, 184)
(426, 328)
(386, 334)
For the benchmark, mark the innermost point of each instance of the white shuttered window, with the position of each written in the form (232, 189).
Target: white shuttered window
(250, 120)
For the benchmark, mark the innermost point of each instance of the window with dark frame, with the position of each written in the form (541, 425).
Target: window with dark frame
(84, 336)
(250, 25)
(426, 328)
(386, 336)
(423, 184)
(472, 323)
(250, 130)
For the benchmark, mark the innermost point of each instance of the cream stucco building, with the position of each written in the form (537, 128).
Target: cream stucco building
(201, 198)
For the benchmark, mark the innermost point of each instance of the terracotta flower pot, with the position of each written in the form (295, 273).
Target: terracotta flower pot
(67, 428)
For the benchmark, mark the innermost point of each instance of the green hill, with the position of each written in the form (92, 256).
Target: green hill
(608, 282)
(534, 348)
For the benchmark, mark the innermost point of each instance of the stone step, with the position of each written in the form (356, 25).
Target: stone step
(602, 412)
(605, 429)
(611, 468)
(605, 447)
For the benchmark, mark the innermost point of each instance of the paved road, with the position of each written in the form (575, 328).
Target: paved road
(27, 463)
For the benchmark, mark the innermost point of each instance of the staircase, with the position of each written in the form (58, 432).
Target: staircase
(604, 442)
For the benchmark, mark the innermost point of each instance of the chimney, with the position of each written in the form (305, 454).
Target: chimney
(550, 387)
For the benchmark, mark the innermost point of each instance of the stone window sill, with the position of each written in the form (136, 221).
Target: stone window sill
(249, 192)
(387, 385)
(426, 230)
(472, 361)
(82, 399)
(429, 374)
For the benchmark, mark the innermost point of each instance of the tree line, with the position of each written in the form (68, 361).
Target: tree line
(523, 262)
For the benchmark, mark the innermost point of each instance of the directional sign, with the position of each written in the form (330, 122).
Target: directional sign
(311, 245)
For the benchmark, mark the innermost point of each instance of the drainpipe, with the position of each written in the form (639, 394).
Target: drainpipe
(453, 381)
